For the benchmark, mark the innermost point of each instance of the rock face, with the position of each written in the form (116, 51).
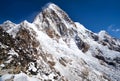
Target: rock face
(54, 48)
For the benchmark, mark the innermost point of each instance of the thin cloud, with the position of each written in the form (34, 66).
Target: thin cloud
(116, 30)
(113, 28)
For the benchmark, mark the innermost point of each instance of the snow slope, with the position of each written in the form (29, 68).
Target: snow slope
(54, 48)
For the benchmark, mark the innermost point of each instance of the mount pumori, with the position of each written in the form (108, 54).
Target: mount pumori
(55, 48)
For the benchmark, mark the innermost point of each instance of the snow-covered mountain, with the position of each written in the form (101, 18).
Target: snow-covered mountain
(55, 48)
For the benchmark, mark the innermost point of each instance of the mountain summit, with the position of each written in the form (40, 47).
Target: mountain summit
(55, 48)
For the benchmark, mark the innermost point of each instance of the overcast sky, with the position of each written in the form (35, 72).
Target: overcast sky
(95, 15)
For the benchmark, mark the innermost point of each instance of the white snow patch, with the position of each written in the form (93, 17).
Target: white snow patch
(2, 65)
(12, 52)
(32, 67)
(24, 77)
(6, 77)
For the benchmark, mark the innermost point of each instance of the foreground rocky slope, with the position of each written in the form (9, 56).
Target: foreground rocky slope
(54, 48)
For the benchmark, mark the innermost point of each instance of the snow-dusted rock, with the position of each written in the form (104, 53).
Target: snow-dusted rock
(54, 48)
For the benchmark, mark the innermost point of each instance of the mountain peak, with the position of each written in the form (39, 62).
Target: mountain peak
(50, 5)
(8, 22)
(102, 34)
(53, 17)
(55, 48)
(7, 25)
(47, 9)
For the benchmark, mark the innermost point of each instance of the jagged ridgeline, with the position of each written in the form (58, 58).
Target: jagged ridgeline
(55, 48)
